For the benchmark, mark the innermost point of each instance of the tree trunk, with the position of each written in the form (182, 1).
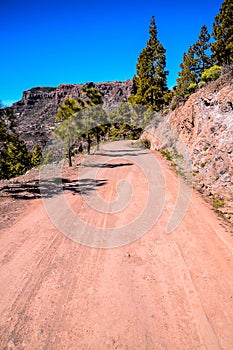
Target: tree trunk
(98, 140)
(88, 144)
(69, 154)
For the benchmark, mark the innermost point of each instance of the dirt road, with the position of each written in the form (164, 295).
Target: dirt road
(160, 291)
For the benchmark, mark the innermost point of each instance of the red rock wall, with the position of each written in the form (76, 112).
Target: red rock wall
(204, 124)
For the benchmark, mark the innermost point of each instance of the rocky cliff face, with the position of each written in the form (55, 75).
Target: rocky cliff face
(37, 109)
(203, 126)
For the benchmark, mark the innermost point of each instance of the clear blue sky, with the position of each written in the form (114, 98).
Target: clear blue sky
(50, 42)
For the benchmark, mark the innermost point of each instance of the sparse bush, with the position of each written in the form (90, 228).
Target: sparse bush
(195, 172)
(218, 203)
(165, 111)
(181, 173)
(174, 105)
(174, 165)
(177, 155)
(166, 154)
(145, 143)
(142, 143)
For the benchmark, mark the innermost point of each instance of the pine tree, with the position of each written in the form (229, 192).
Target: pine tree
(84, 124)
(18, 159)
(187, 76)
(14, 157)
(4, 137)
(93, 96)
(150, 83)
(95, 117)
(195, 62)
(65, 112)
(68, 108)
(202, 55)
(222, 48)
(36, 156)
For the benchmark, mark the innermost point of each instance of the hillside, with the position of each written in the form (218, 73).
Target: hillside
(37, 109)
(205, 127)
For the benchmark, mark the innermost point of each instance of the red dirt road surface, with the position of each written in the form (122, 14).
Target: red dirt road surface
(108, 283)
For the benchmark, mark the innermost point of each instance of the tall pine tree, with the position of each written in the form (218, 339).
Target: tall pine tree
(222, 48)
(150, 83)
(187, 76)
(195, 62)
(201, 50)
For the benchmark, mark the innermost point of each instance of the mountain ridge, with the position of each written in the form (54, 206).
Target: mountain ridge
(36, 111)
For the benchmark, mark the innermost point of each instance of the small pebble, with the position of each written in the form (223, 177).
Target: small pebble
(11, 345)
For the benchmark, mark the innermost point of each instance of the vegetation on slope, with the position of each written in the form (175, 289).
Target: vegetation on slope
(14, 157)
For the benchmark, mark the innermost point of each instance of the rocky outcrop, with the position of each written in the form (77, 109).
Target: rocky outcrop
(202, 129)
(36, 110)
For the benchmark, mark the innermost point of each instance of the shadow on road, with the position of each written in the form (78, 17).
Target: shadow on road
(118, 154)
(124, 150)
(106, 165)
(35, 189)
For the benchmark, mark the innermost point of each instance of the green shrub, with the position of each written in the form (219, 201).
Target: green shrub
(218, 203)
(211, 73)
(177, 155)
(166, 154)
(165, 111)
(145, 143)
(201, 84)
(192, 87)
(36, 156)
(174, 165)
(181, 173)
(195, 172)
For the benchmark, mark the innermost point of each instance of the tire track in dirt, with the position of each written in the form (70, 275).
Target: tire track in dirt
(207, 335)
(30, 288)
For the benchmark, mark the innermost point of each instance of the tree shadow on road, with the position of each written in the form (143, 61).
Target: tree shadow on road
(36, 189)
(107, 165)
(119, 155)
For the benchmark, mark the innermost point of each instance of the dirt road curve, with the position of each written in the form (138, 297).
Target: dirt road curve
(161, 291)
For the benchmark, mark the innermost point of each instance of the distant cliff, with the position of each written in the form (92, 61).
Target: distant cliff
(204, 124)
(36, 110)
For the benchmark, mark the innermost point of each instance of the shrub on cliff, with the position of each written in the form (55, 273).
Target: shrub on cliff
(211, 73)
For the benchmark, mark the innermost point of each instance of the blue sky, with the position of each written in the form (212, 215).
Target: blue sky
(48, 42)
